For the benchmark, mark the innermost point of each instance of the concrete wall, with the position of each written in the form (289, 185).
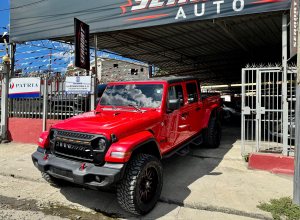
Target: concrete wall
(25, 130)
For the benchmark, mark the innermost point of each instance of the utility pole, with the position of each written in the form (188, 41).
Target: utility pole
(96, 55)
(12, 48)
(296, 194)
(45, 98)
(4, 95)
(96, 72)
(50, 62)
(4, 101)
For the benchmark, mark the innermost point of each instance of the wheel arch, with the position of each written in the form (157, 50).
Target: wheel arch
(213, 111)
(149, 146)
(142, 142)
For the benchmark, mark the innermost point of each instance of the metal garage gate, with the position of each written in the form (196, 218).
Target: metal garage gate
(268, 111)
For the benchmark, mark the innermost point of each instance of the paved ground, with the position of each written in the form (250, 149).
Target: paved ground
(206, 184)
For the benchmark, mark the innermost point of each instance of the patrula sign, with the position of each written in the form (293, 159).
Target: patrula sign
(103, 16)
(24, 87)
(82, 44)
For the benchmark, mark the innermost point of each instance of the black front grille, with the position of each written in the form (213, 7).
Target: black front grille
(61, 172)
(74, 135)
(83, 147)
(73, 150)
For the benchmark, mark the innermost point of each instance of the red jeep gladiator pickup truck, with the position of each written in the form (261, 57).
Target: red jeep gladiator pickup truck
(135, 125)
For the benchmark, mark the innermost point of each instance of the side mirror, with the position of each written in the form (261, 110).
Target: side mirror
(174, 104)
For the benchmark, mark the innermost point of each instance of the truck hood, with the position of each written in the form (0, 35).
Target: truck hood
(108, 122)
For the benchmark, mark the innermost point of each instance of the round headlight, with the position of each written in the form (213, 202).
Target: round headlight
(102, 144)
(55, 133)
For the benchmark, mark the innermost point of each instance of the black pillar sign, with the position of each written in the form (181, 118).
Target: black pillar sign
(294, 27)
(6, 37)
(82, 44)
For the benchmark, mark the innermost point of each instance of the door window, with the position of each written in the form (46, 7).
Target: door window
(191, 89)
(175, 92)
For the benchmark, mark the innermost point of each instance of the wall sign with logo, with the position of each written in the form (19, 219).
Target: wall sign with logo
(124, 14)
(78, 85)
(24, 87)
(294, 27)
(82, 44)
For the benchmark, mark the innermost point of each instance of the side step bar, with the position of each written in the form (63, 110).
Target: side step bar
(194, 140)
(184, 151)
(198, 141)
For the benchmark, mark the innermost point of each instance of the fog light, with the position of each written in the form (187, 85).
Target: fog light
(98, 179)
(36, 163)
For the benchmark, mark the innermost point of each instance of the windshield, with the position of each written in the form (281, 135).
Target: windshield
(141, 95)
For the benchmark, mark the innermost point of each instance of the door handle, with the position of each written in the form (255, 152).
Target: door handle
(198, 109)
(185, 114)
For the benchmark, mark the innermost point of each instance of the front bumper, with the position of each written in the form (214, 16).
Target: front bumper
(69, 170)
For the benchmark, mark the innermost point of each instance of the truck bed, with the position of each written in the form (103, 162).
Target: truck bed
(210, 99)
(208, 95)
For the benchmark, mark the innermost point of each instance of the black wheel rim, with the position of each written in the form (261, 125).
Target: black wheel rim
(148, 185)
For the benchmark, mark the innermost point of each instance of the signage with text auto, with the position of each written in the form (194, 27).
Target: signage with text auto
(115, 15)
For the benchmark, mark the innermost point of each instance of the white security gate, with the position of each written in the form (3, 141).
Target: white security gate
(268, 111)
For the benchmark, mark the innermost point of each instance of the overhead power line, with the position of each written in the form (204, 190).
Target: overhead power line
(22, 6)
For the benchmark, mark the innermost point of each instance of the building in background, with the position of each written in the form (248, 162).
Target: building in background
(112, 70)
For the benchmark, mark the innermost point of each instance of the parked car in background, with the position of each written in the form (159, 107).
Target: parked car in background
(274, 127)
(79, 102)
(229, 113)
(63, 111)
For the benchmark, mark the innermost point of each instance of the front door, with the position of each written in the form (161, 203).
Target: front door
(177, 122)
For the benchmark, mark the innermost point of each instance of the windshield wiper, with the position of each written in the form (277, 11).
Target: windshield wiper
(112, 106)
(137, 108)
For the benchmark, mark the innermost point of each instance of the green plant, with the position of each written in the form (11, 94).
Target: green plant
(282, 207)
(246, 158)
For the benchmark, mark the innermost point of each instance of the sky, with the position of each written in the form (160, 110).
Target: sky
(4, 15)
(33, 57)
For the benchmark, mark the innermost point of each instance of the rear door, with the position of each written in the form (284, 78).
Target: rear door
(194, 108)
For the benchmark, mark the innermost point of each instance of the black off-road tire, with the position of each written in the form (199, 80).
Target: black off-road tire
(129, 189)
(213, 133)
(52, 180)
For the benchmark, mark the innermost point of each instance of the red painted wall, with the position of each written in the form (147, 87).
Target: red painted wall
(273, 163)
(25, 130)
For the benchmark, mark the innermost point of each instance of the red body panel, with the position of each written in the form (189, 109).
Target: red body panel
(132, 128)
(45, 140)
(210, 104)
(126, 145)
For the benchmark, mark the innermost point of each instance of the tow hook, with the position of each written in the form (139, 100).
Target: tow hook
(46, 157)
(82, 166)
